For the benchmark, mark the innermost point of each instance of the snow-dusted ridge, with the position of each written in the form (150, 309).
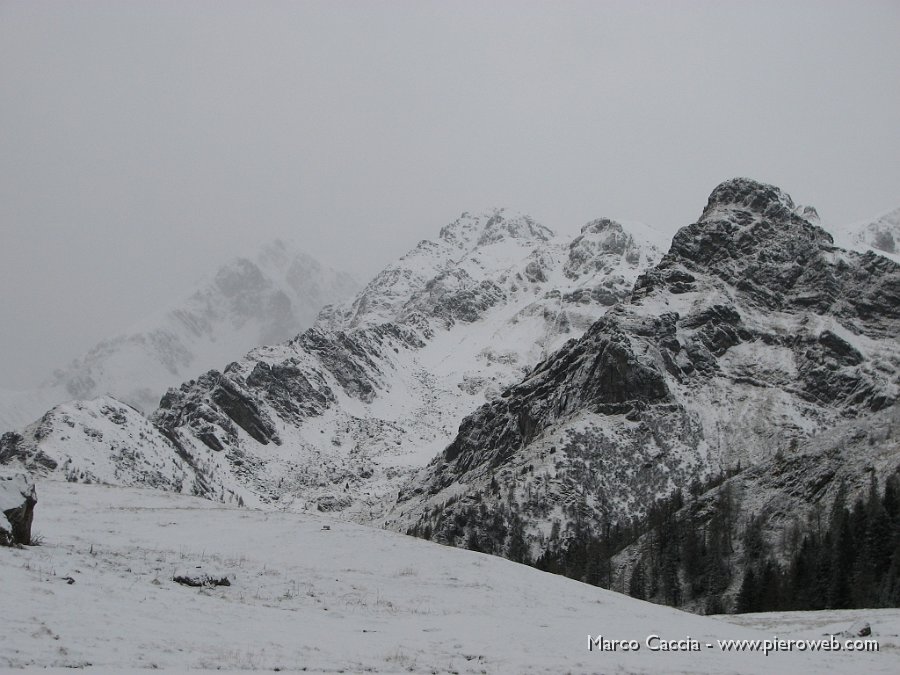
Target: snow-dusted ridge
(262, 298)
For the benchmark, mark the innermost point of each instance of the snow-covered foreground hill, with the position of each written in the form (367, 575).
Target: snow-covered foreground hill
(99, 592)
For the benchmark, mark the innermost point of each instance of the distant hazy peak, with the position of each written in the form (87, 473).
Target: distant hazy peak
(267, 295)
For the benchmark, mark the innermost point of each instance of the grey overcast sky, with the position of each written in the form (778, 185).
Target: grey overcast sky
(144, 142)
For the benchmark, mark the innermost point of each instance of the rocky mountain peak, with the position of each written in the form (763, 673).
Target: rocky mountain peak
(752, 237)
(600, 226)
(602, 245)
(241, 276)
(493, 226)
(503, 224)
(748, 195)
(752, 333)
(607, 235)
(463, 231)
(744, 217)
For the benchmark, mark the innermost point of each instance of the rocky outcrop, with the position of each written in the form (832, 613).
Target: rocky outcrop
(201, 576)
(13, 447)
(750, 238)
(600, 372)
(101, 441)
(17, 501)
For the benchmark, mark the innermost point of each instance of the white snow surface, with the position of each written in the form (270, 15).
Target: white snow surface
(99, 595)
(265, 297)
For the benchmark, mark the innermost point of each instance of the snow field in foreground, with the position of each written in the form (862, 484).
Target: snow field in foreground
(345, 599)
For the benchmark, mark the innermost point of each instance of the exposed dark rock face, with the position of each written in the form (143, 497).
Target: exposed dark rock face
(454, 296)
(353, 358)
(216, 402)
(215, 405)
(289, 390)
(599, 372)
(17, 501)
(13, 447)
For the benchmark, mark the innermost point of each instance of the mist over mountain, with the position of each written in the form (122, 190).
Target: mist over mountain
(268, 296)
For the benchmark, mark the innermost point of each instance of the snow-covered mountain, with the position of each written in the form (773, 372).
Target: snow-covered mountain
(752, 333)
(603, 377)
(337, 417)
(249, 301)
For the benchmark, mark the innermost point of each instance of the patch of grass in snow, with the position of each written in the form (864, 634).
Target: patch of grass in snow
(401, 659)
(235, 659)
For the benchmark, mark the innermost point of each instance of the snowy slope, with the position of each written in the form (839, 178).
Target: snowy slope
(264, 298)
(336, 418)
(347, 599)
